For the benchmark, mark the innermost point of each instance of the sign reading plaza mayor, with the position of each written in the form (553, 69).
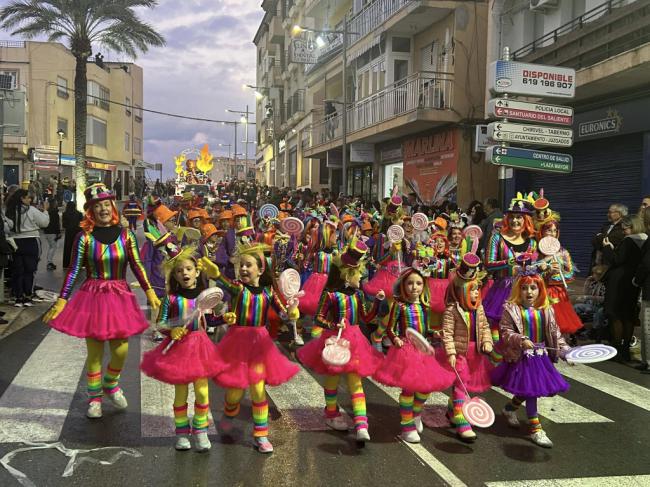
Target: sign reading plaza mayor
(533, 160)
(531, 79)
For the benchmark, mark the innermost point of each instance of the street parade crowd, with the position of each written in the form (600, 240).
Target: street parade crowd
(418, 298)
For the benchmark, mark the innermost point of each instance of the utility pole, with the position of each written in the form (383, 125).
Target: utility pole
(344, 139)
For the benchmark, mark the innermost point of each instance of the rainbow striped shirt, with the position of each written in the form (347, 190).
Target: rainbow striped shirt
(352, 305)
(176, 309)
(322, 262)
(250, 304)
(407, 315)
(470, 320)
(533, 320)
(499, 255)
(443, 265)
(103, 261)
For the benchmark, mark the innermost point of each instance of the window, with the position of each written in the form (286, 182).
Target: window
(138, 113)
(127, 141)
(293, 166)
(127, 102)
(304, 171)
(98, 95)
(95, 132)
(62, 87)
(62, 124)
(8, 79)
(401, 44)
(137, 146)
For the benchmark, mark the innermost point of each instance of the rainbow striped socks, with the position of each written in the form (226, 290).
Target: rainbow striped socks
(261, 419)
(316, 331)
(181, 420)
(406, 401)
(94, 386)
(534, 425)
(200, 419)
(359, 410)
(459, 419)
(111, 380)
(418, 403)
(331, 406)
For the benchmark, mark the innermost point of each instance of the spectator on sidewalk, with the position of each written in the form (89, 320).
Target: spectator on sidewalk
(52, 233)
(611, 233)
(642, 280)
(71, 219)
(493, 212)
(117, 188)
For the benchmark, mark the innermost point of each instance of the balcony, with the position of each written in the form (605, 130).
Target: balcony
(420, 99)
(373, 15)
(293, 108)
(333, 45)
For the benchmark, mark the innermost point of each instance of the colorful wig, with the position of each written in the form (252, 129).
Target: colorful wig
(459, 292)
(529, 227)
(546, 226)
(88, 223)
(543, 301)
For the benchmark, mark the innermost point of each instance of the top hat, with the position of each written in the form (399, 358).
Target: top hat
(353, 254)
(97, 192)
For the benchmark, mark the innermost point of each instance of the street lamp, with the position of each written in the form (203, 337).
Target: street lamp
(257, 90)
(61, 135)
(245, 121)
(226, 145)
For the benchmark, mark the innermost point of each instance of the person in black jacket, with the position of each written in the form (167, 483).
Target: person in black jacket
(610, 235)
(52, 233)
(642, 280)
(71, 219)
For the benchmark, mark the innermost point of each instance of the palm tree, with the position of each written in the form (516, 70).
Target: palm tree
(82, 23)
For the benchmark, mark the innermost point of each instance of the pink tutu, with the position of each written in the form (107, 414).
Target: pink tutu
(248, 355)
(413, 371)
(364, 359)
(438, 289)
(102, 309)
(193, 357)
(384, 279)
(313, 287)
(474, 368)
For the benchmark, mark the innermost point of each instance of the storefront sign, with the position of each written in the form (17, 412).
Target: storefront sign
(360, 152)
(68, 161)
(597, 128)
(334, 159)
(481, 139)
(430, 166)
(391, 154)
(102, 166)
(531, 79)
(282, 145)
(303, 51)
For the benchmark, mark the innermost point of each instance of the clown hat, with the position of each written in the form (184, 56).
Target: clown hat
(195, 213)
(354, 253)
(521, 204)
(439, 223)
(187, 196)
(238, 210)
(163, 214)
(468, 269)
(394, 204)
(208, 230)
(225, 215)
(96, 193)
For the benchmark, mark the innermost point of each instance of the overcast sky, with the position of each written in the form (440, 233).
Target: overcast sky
(200, 72)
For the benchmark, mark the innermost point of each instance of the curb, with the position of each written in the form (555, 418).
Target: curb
(19, 318)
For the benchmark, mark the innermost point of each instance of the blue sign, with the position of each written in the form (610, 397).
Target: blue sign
(67, 196)
(534, 160)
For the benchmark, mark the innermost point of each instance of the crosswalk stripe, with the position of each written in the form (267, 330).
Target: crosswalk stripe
(620, 389)
(35, 405)
(157, 400)
(560, 410)
(620, 481)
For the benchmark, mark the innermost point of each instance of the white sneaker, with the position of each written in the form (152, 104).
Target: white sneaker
(298, 340)
(541, 439)
(202, 442)
(511, 418)
(338, 423)
(362, 434)
(411, 436)
(386, 342)
(117, 399)
(182, 443)
(94, 410)
(419, 427)
(263, 445)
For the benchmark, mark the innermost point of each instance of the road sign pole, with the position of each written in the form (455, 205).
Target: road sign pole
(503, 174)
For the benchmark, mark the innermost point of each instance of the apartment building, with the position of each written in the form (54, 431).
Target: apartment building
(415, 87)
(42, 75)
(608, 43)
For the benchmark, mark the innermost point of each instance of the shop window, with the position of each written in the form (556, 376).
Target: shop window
(95, 132)
(293, 167)
(305, 172)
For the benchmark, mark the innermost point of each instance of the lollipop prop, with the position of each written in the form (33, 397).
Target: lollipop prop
(292, 226)
(395, 234)
(419, 342)
(205, 302)
(420, 221)
(551, 246)
(473, 233)
(337, 350)
(590, 354)
(476, 411)
(268, 211)
(289, 284)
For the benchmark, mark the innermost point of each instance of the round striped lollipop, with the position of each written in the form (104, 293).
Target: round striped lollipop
(590, 354)
(420, 221)
(292, 225)
(269, 211)
(395, 233)
(478, 412)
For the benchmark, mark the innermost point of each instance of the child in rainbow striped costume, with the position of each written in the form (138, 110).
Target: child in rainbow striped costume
(343, 305)
(247, 352)
(416, 373)
(104, 308)
(192, 358)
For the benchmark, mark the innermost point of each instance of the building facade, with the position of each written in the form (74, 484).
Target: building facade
(608, 43)
(43, 72)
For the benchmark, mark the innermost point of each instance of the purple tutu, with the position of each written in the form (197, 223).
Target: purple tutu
(364, 359)
(438, 290)
(247, 355)
(384, 279)
(533, 375)
(495, 297)
(102, 309)
(193, 357)
(412, 370)
(313, 288)
(474, 368)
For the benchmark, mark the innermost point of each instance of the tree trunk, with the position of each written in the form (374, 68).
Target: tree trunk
(80, 120)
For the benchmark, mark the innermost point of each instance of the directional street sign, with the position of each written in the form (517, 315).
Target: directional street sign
(530, 112)
(529, 159)
(530, 134)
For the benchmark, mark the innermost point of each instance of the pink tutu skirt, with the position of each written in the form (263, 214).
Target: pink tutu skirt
(193, 357)
(247, 355)
(384, 279)
(412, 370)
(364, 359)
(474, 368)
(102, 309)
(313, 288)
(438, 289)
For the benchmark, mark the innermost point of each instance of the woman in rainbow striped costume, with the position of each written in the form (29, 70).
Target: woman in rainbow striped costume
(247, 352)
(104, 308)
(416, 373)
(343, 305)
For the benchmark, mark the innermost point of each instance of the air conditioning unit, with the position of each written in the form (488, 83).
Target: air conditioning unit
(541, 5)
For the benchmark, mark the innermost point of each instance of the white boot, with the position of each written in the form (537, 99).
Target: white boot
(202, 442)
(117, 399)
(182, 443)
(540, 438)
(94, 410)
(511, 417)
(362, 435)
(419, 427)
(263, 445)
(411, 436)
(337, 423)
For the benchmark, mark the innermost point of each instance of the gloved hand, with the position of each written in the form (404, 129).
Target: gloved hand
(230, 318)
(178, 332)
(154, 302)
(55, 310)
(293, 313)
(209, 268)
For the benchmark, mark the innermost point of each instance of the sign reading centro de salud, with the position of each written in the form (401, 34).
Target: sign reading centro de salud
(531, 79)
(533, 160)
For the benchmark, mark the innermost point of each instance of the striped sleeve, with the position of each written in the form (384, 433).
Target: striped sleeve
(79, 250)
(492, 254)
(135, 262)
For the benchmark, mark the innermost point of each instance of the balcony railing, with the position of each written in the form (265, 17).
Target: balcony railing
(14, 44)
(333, 45)
(373, 15)
(423, 90)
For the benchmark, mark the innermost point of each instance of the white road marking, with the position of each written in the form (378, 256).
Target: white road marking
(157, 402)
(35, 405)
(618, 388)
(619, 481)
